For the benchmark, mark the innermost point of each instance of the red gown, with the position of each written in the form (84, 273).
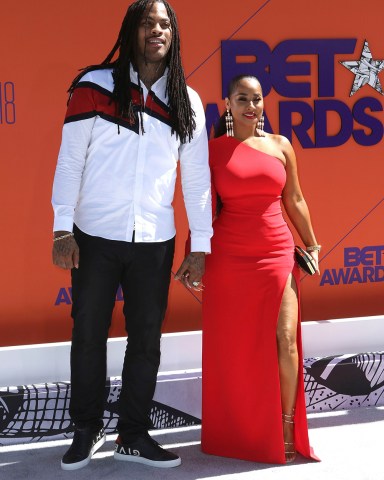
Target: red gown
(252, 257)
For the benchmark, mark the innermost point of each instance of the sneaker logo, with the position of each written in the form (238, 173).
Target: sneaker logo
(99, 436)
(127, 451)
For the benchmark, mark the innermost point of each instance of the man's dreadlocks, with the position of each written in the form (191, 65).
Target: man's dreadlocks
(126, 46)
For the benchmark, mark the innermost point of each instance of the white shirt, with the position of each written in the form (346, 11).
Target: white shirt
(111, 184)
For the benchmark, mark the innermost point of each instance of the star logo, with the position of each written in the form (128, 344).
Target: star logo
(366, 71)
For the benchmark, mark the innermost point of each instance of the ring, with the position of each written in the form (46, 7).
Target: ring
(195, 284)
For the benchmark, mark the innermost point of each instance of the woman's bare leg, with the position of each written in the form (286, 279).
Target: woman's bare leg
(288, 359)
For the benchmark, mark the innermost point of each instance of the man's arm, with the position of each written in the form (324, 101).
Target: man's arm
(196, 185)
(66, 185)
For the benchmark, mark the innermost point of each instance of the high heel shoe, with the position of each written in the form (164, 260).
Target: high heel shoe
(289, 447)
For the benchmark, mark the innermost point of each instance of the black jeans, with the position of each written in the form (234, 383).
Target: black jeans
(143, 270)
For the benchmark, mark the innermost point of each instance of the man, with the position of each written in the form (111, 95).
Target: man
(129, 120)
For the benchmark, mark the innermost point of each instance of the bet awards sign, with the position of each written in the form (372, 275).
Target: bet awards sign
(307, 88)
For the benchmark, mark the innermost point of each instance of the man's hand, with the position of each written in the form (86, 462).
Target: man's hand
(65, 252)
(192, 270)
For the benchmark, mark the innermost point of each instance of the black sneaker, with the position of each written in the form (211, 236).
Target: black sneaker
(147, 451)
(85, 443)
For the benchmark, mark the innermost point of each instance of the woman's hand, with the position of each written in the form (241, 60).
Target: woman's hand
(315, 256)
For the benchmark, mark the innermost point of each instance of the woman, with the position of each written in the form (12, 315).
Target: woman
(253, 389)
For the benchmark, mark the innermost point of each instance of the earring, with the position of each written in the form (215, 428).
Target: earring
(229, 123)
(260, 124)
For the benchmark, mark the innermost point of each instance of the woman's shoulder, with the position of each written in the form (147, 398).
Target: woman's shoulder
(218, 144)
(278, 139)
(280, 142)
(220, 149)
(219, 141)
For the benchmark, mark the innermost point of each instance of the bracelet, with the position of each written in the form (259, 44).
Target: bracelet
(67, 235)
(314, 248)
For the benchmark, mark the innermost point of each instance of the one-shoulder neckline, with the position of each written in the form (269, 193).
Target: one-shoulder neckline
(257, 150)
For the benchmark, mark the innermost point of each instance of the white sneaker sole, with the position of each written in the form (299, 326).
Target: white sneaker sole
(84, 463)
(146, 461)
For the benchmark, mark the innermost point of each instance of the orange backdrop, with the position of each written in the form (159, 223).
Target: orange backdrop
(295, 47)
